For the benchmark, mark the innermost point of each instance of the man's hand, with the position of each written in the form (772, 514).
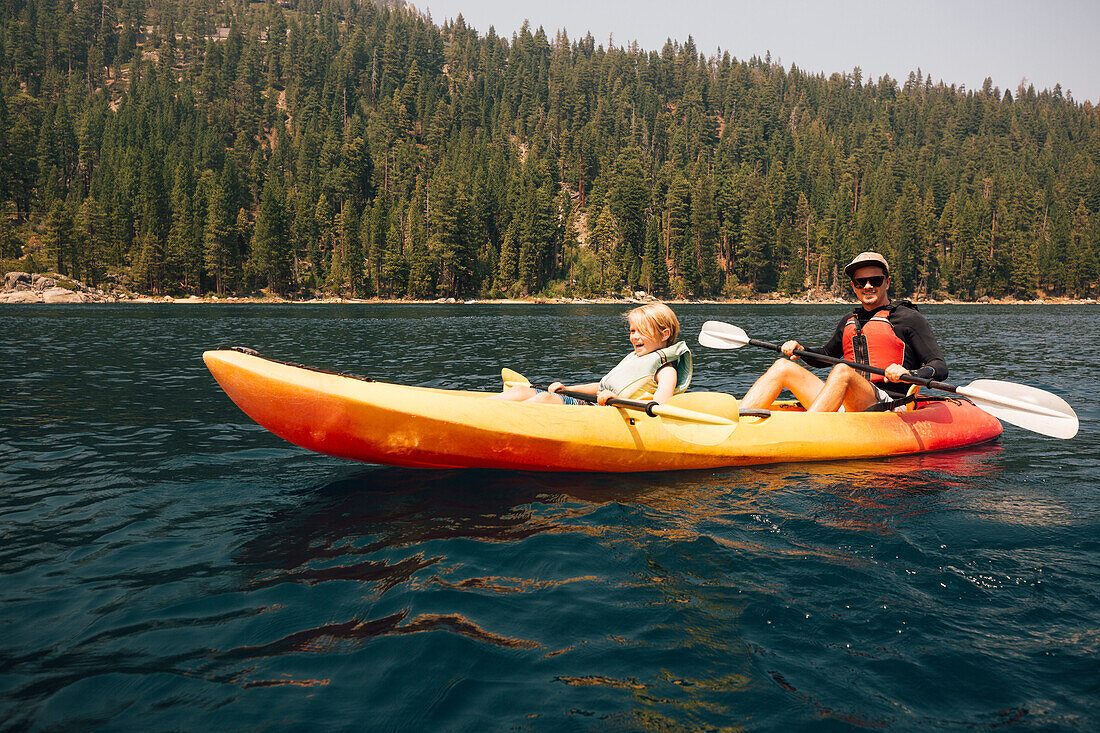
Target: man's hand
(789, 347)
(895, 372)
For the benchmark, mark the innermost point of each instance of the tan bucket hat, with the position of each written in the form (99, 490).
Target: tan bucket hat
(867, 258)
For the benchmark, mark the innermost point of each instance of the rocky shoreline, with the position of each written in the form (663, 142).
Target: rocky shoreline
(24, 287)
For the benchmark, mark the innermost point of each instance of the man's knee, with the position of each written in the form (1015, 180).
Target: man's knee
(784, 366)
(842, 372)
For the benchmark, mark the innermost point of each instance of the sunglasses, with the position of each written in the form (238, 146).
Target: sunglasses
(874, 281)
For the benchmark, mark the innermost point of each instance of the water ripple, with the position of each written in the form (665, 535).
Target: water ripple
(168, 564)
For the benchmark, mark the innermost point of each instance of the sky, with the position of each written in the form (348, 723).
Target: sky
(959, 42)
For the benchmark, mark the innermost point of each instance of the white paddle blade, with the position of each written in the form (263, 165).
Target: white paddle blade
(719, 335)
(1023, 406)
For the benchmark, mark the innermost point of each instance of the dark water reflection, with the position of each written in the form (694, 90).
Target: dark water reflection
(166, 564)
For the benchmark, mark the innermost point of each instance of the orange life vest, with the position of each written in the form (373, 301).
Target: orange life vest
(874, 343)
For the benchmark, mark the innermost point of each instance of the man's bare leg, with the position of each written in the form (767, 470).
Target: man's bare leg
(783, 374)
(844, 386)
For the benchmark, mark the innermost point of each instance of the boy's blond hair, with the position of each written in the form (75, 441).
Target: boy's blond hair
(652, 318)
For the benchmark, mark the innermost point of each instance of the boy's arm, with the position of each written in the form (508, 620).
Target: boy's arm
(666, 383)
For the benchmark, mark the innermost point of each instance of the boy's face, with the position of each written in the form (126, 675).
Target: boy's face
(643, 342)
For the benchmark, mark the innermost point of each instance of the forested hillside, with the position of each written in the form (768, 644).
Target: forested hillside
(307, 146)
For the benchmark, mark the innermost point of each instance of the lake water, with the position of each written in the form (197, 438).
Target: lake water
(166, 564)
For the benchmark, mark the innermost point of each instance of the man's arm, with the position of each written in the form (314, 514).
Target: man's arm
(922, 354)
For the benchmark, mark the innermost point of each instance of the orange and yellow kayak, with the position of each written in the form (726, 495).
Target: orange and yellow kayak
(396, 425)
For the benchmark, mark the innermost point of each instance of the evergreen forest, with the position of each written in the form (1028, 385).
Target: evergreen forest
(362, 149)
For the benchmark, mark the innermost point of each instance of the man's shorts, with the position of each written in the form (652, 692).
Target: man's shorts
(883, 396)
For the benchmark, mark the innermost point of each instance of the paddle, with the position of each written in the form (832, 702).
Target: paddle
(1026, 407)
(690, 425)
(512, 378)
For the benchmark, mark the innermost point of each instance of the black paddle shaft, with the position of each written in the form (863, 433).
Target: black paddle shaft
(646, 407)
(614, 401)
(862, 367)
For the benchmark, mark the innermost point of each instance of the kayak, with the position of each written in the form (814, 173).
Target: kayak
(377, 422)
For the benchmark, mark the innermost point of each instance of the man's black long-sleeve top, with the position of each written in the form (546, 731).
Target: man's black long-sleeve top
(922, 354)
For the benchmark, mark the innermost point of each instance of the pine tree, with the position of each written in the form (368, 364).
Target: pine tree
(540, 239)
(507, 265)
(21, 160)
(704, 230)
(1082, 265)
(395, 268)
(678, 233)
(91, 230)
(270, 260)
(966, 254)
(9, 243)
(800, 266)
(1025, 271)
(149, 264)
(655, 270)
(217, 253)
(323, 253)
(905, 246)
(59, 237)
(305, 246)
(450, 242)
(604, 239)
(181, 247)
(349, 237)
(339, 266)
(421, 269)
(757, 232)
(630, 201)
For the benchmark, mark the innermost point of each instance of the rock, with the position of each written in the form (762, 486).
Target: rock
(61, 295)
(23, 287)
(21, 296)
(15, 278)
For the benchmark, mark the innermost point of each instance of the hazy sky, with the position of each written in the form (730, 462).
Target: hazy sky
(958, 41)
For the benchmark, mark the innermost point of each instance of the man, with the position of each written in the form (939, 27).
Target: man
(892, 336)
